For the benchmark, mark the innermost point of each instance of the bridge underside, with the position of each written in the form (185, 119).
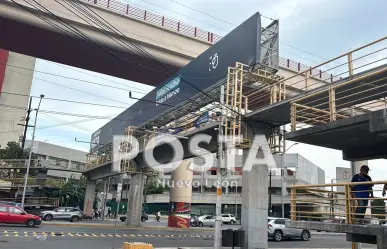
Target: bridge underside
(360, 137)
(65, 49)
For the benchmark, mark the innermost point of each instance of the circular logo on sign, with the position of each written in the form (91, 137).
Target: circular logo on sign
(215, 61)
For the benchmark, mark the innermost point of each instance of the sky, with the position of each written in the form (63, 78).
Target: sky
(311, 32)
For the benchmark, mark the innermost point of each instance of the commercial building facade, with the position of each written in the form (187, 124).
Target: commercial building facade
(59, 157)
(298, 170)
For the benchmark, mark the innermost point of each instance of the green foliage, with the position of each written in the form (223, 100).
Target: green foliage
(13, 151)
(71, 193)
(154, 188)
(378, 207)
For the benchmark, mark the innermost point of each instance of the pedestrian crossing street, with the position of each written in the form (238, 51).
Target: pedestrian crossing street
(100, 235)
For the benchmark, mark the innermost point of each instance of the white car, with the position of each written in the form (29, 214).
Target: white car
(228, 218)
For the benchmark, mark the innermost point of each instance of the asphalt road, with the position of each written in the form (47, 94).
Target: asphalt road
(17, 237)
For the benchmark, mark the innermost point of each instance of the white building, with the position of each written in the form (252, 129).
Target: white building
(299, 171)
(59, 156)
(14, 79)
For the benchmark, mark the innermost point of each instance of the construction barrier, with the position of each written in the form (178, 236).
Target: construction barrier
(136, 245)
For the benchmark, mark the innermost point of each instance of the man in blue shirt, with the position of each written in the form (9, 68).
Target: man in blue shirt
(362, 191)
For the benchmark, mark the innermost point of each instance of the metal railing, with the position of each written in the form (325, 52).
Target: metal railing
(191, 31)
(362, 92)
(40, 163)
(339, 202)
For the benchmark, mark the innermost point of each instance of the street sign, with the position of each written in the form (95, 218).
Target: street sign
(119, 191)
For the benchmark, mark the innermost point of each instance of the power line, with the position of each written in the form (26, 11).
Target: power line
(175, 13)
(201, 12)
(70, 78)
(64, 100)
(151, 56)
(75, 89)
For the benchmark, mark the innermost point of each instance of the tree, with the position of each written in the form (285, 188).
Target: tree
(154, 188)
(71, 193)
(13, 151)
(378, 206)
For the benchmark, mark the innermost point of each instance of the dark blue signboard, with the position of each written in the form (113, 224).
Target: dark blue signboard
(240, 45)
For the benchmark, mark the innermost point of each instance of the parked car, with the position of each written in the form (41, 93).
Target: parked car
(63, 213)
(10, 214)
(144, 217)
(278, 231)
(228, 218)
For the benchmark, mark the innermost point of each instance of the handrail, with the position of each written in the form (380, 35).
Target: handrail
(185, 29)
(341, 202)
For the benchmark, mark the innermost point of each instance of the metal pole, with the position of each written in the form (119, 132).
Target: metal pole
(236, 204)
(104, 199)
(282, 185)
(119, 193)
(332, 199)
(218, 220)
(355, 245)
(26, 123)
(30, 155)
(269, 191)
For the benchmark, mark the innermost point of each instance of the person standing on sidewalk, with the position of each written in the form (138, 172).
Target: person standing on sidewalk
(362, 193)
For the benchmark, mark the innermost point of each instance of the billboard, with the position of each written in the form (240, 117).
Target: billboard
(241, 45)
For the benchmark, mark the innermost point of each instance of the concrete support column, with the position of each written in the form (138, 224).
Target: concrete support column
(89, 198)
(180, 196)
(255, 195)
(358, 164)
(255, 205)
(135, 199)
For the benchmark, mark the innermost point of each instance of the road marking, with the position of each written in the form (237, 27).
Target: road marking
(101, 235)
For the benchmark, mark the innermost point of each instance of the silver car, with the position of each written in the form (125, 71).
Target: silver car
(63, 213)
(207, 221)
(278, 231)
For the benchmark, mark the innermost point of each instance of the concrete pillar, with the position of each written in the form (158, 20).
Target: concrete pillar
(358, 164)
(135, 199)
(180, 196)
(255, 205)
(89, 198)
(255, 196)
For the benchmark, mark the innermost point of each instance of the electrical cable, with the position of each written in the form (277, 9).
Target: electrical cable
(64, 100)
(161, 7)
(192, 85)
(75, 89)
(187, 82)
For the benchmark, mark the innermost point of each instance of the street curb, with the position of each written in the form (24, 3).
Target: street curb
(124, 227)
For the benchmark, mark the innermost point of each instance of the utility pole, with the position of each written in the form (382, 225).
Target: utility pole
(284, 174)
(269, 191)
(26, 124)
(218, 220)
(30, 155)
(332, 199)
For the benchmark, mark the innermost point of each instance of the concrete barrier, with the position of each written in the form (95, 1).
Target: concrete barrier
(136, 245)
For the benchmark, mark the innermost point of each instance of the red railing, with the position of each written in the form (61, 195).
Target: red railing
(188, 30)
(168, 23)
